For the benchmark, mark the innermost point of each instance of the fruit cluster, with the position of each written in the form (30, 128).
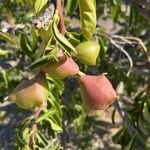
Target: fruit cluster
(96, 91)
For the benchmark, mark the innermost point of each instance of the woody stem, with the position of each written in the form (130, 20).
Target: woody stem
(60, 12)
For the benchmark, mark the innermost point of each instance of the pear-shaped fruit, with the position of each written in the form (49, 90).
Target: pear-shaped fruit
(61, 69)
(87, 52)
(31, 93)
(96, 92)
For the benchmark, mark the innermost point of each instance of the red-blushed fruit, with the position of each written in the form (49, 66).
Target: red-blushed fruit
(65, 67)
(31, 93)
(87, 52)
(96, 92)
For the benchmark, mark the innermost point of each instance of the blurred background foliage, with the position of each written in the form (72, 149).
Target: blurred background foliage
(19, 41)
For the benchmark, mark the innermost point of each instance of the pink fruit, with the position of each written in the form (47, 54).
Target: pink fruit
(96, 92)
(65, 67)
(31, 93)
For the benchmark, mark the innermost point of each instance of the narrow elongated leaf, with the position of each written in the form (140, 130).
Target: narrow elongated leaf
(74, 41)
(54, 126)
(47, 114)
(87, 17)
(26, 147)
(39, 4)
(6, 78)
(132, 144)
(70, 7)
(41, 61)
(25, 45)
(3, 52)
(7, 37)
(34, 38)
(62, 41)
(41, 139)
(46, 35)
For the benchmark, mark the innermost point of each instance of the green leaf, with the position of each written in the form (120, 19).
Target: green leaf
(7, 37)
(70, 7)
(41, 139)
(62, 41)
(39, 4)
(46, 36)
(50, 112)
(41, 61)
(6, 78)
(58, 83)
(25, 45)
(55, 104)
(132, 144)
(73, 40)
(33, 38)
(3, 52)
(26, 134)
(79, 123)
(26, 147)
(54, 126)
(87, 17)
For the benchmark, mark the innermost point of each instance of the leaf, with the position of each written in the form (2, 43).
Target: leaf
(46, 36)
(70, 7)
(45, 115)
(3, 52)
(73, 40)
(6, 78)
(7, 37)
(79, 123)
(54, 126)
(25, 45)
(87, 17)
(26, 147)
(33, 38)
(28, 16)
(58, 83)
(132, 144)
(41, 139)
(55, 104)
(62, 41)
(41, 61)
(39, 4)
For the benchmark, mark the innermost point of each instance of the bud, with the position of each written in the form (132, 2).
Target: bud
(65, 67)
(96, 92)
(31, 93)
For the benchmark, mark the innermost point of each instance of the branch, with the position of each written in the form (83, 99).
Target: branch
(125, 52)
(139, 42)
(60, 12)
(34, 127)
(132, 131)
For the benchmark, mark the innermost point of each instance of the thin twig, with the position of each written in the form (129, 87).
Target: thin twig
(125, 52)
(34, 127)
(64, 100)
(61, 22)
(140, 42)
(132, 131)
(122, 39)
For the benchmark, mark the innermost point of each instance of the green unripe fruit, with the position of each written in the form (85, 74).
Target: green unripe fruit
(31, 93)
(87, 52)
